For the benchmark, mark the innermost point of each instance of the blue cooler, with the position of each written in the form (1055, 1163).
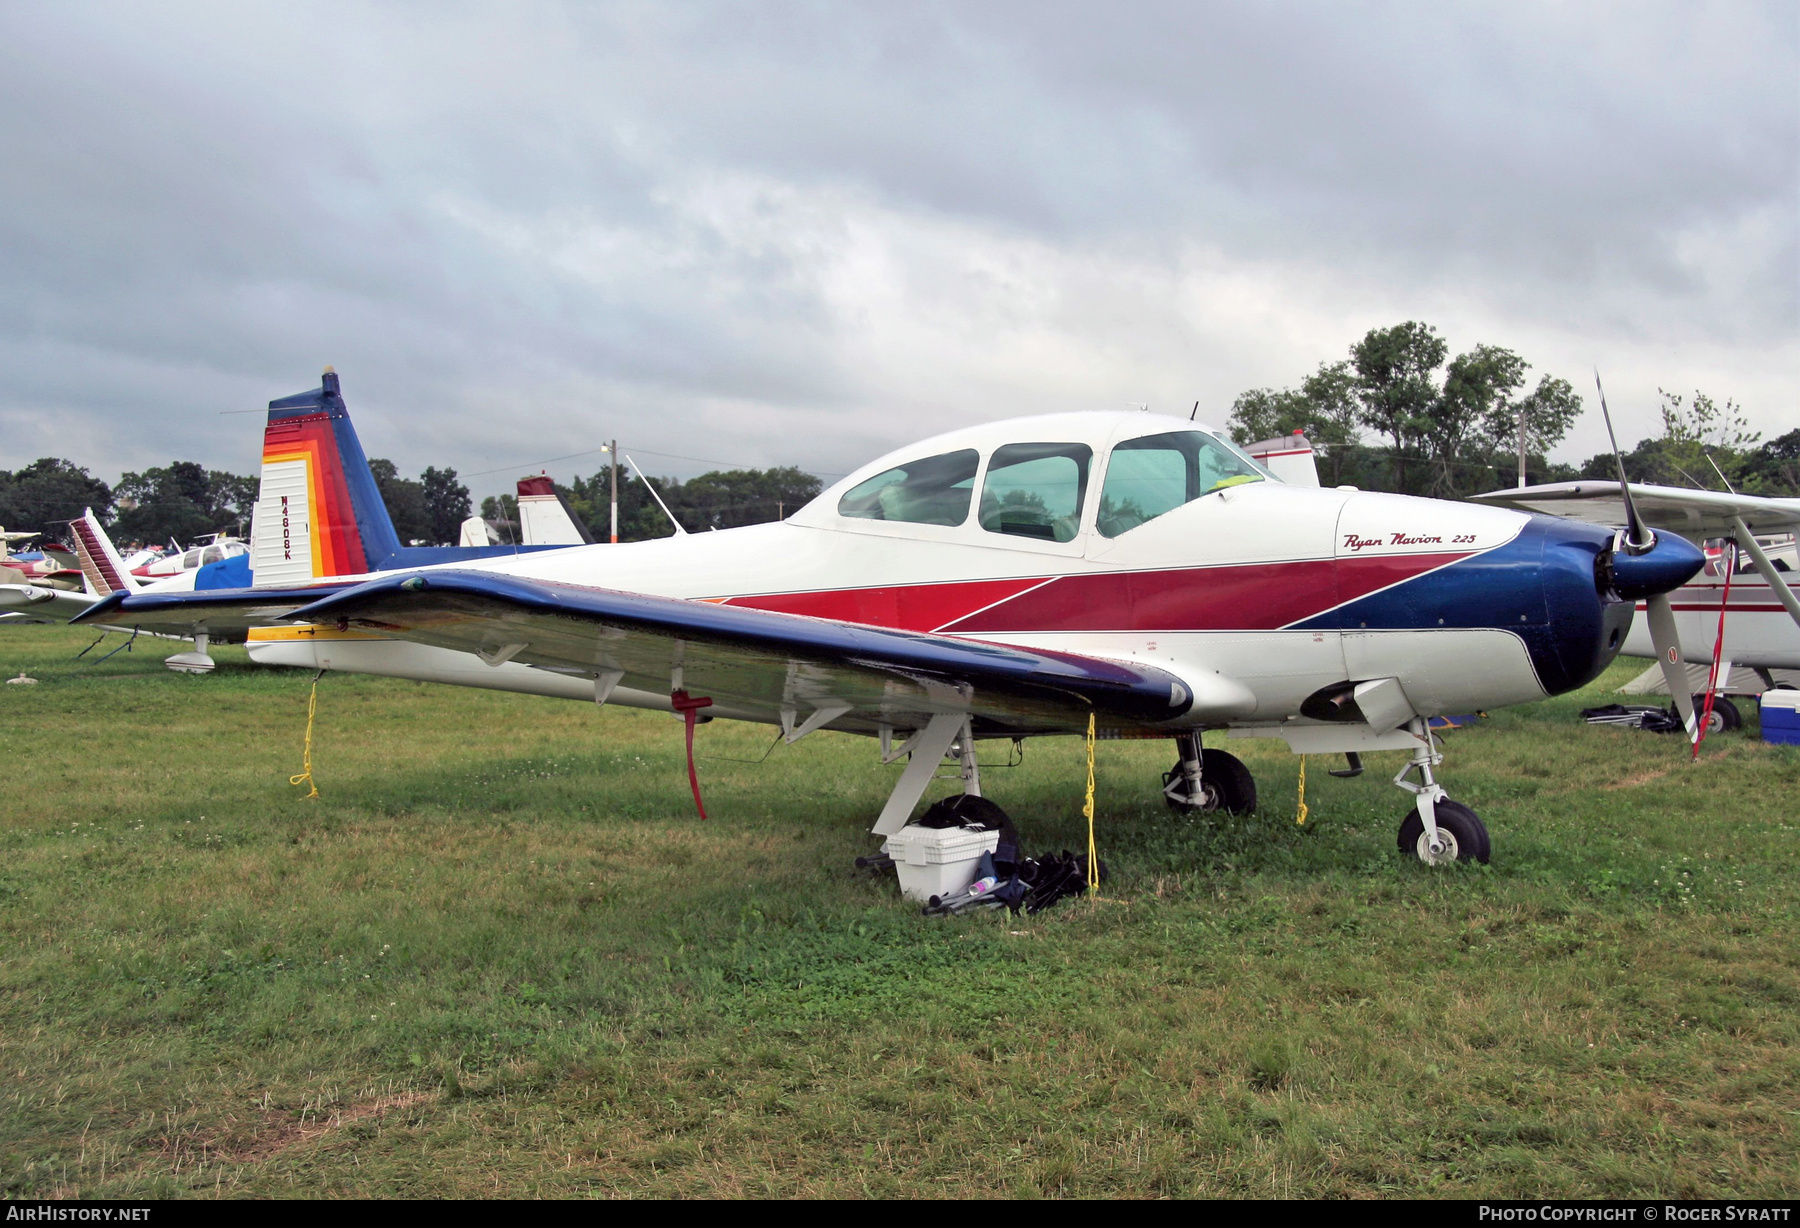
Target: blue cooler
(1781, 717)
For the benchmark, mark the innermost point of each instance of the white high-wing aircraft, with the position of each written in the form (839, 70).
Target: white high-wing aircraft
(319, 514)
(1762, 620)
(1123, 571)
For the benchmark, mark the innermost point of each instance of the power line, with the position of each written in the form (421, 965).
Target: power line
(699, 460)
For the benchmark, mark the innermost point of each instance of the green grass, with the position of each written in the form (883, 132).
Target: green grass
(500, 955)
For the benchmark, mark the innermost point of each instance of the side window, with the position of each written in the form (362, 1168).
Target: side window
(190, 560)
(212, 554)
(1158, 473)
(931, 490)
(1036, 490)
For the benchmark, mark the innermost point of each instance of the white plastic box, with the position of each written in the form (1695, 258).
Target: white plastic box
(937, 860)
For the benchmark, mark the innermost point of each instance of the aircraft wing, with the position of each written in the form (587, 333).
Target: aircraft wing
(225, 614)
(1694, 514)
(34, 603)
(753, 664)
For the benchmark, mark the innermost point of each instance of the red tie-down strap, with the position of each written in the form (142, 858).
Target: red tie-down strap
(689, 706)
(1713, 681)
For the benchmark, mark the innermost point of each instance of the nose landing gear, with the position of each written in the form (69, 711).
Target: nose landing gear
(1437, 830)
(1207, 780)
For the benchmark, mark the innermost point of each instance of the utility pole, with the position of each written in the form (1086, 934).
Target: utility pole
(1521, 445)
(612, 450)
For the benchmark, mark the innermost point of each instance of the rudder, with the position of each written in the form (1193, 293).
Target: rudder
(318, 510)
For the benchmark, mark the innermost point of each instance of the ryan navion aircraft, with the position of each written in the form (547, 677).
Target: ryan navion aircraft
(1012, 580)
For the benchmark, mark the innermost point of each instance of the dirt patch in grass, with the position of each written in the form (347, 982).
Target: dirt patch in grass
(281, 1131)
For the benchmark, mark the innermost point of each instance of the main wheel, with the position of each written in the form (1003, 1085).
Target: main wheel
(1465, 836)
(1225, 784)
(1725, 716)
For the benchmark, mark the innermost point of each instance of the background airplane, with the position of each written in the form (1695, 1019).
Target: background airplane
(1752, 536)
(1116, 573)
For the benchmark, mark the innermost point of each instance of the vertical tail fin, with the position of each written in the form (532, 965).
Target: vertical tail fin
(545, 519)
(318, 511)
(100, 563)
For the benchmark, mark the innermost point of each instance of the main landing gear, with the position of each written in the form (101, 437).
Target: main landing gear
(1204, 780)
(1437, 830)
(1725, 716)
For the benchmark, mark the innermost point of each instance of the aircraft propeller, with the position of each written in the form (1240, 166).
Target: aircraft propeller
(1638, 542)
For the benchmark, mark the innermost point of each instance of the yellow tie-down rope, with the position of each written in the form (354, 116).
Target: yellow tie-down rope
(306, 777)
(1300, 816)
(1093, 866)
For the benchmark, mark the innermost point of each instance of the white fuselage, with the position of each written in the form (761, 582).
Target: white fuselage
(1256, 559)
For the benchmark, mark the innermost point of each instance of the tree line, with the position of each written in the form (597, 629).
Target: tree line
(184, 501)
(721, 499)
(1449, 427)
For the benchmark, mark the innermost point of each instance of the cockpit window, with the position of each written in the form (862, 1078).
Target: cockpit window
(1158, 473)
(931, 490)
(1036, 490)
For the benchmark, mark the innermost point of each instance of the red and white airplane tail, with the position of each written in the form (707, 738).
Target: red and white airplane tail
(101, 566)
(545, 519)
(1289, 457)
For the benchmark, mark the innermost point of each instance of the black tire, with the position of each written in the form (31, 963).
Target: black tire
(1468, 834)
(1725, 716)
(1230, 786)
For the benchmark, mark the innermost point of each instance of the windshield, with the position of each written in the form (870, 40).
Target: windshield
(1154, 474)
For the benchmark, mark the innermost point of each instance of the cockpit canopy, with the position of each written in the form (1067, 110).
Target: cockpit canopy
(1034, 479)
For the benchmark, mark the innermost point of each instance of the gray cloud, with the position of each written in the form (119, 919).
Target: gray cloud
(805, 233)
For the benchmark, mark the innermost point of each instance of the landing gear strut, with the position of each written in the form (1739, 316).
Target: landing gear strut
(1437, 830)
(1207, 780)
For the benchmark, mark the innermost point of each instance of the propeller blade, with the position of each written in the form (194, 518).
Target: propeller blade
(1636, 539)
(1668, 655)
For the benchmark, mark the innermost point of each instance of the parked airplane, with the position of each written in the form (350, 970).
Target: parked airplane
(219, 548)
(318, 513)
(1740, 532)
(51, 565)
(1123, 573)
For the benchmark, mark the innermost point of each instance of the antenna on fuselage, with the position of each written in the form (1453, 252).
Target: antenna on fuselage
(1196, 412)
(679, 531)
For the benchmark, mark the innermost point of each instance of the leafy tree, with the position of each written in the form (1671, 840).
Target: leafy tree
(1447, 434)
(502, 514)
(49, 490)
(721, 499)
(405, 500)
(1774, 468)
(446, 505)
(1548, 411)
(1395, 381)
(729, 498)
(1697, 435)
(1471, 409)
(1325, 407)
(182, 501)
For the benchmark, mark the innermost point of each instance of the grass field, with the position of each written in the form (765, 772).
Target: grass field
(501, 956)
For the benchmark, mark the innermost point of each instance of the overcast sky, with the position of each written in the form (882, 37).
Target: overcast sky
(804, 233)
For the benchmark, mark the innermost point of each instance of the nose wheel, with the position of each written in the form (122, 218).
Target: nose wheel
(1462, 836)
(1437, 830)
